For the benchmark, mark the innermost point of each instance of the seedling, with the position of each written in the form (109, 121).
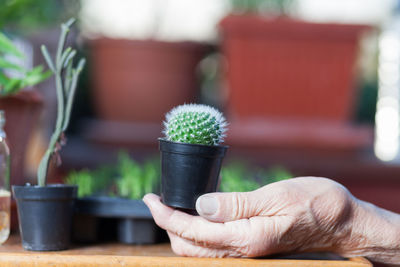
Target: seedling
(128, 178)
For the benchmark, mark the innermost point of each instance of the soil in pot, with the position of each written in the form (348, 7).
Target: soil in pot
(45, 216)
(188, 171)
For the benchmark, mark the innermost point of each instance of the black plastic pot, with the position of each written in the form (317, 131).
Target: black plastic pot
(137, 231)
(188, 171)
(45, 216)
(135, 224)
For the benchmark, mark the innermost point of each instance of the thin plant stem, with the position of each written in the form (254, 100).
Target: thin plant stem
(66, 77)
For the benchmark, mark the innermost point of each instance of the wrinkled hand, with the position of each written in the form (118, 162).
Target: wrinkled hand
(297, 215)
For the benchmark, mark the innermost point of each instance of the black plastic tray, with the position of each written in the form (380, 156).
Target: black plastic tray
(113, 207)
(107, 218)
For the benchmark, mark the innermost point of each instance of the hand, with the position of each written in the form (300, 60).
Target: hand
(297, 215)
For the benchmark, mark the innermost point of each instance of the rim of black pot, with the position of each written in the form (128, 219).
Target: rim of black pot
(186, 148)
(50, 191)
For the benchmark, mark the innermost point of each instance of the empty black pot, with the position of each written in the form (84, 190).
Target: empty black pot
(188, 171)
(45, 215)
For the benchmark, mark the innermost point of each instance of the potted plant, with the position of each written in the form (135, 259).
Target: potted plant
(191, 154)
(115, 193)
(285, 76)
(142, 69)
(45, 211)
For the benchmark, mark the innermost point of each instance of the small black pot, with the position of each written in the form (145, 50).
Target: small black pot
(188, 171)
(45, 215)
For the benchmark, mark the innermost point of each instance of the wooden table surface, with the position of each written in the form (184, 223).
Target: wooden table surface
(12, 254)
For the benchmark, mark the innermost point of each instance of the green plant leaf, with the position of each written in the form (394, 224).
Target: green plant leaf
(12, 86)
(84, 180)
(35, 76)
(4, 64)
(6, 46)
(91, 182)
(3, 78)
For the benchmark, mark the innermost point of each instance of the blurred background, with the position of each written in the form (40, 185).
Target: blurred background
(309, 86)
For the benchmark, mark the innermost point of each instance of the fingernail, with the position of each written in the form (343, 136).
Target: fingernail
(146, 200)
(207, 205)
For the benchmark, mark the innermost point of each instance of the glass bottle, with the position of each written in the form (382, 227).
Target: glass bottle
(5, 195)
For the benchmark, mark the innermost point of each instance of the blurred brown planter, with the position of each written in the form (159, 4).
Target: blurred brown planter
(139, 81)
(282, 68)
(22, 112)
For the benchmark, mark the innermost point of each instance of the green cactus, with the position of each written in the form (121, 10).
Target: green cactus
(195, 124)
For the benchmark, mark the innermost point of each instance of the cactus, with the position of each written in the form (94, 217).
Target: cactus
(66, 77)
(195, 124)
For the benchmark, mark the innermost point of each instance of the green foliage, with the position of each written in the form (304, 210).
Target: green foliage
(6, 46)
(274, 174)
(27, 15)
(366, 106)
(261, 6)
(127, 178)
(195, 124)
(66, 77)
(89, 182)
(25, 78)
(135, 180)
(239, 177)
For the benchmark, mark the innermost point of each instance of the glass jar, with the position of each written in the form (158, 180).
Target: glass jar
(5, 195)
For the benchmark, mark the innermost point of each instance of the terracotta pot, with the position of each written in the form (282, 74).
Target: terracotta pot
(22, 113)
(282, 68)
(139, 81)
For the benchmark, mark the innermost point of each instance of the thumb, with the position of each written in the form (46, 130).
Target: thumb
(225, 207)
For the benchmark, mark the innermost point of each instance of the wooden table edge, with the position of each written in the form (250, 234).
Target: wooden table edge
(60, 260)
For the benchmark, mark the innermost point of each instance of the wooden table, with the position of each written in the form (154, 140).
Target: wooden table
(12, 254)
